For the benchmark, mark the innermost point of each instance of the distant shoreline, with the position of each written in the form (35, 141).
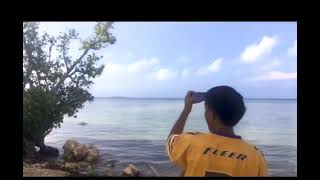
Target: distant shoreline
(284, 99)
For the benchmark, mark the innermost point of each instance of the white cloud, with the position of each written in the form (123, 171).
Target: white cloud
(202, 71)
(119, 76)
(277, 75)
(185, 72)
(164, 74)
(113, 69)
(293, 50)
(142, 65)
(270, 65)
(128, 70)
(255, 51)
(213, 67)
(136, 71)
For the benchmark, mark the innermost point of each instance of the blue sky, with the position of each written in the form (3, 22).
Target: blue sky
(166, 59)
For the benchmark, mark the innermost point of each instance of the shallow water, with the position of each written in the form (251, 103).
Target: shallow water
(134, 131)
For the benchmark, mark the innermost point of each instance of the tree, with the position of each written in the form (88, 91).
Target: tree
(54, 87)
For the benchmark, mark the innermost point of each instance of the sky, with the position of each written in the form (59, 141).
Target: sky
(166, 59)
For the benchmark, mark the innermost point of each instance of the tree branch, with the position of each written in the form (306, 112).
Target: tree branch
(64, 56)
(47, 85)
(70, 69)
(48, 131)
(75, 71)
(50, 49)
(28, 69)
(38, 78)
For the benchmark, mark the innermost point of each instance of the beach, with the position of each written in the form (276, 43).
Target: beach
(134, 131)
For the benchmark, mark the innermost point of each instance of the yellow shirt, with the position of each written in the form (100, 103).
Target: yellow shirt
(207, 154)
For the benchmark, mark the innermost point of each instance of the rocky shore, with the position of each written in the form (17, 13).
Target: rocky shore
(77, 160)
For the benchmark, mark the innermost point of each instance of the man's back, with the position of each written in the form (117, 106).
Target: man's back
(207, 154)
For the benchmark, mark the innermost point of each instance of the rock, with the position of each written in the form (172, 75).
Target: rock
(74, 151)
(82, 123)
(89, 170)
(55, 164)
(68, 148)
(83, 163)
(80, 152)
(71, 166)
(30, 160)
(82, 168)
(92, 154)
(38, 165)
(59, 161)
(45, 165)
(86, 170)
(108, 172)
(49, 151)
(130, 170)
(26, 164)
(31, 171)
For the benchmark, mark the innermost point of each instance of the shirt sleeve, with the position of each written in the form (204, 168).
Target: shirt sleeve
(177, 148)
(263, 167)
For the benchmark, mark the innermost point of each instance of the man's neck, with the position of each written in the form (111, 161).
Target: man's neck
(223, 130)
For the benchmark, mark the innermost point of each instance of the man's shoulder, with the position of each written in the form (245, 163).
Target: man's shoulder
(259, 151)
(194, 133)
(186, 136)
(254, 148)
(193, 137)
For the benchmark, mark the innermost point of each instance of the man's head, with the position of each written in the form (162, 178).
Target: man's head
(224, 106)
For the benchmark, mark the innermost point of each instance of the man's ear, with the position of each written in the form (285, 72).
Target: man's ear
(212, 114)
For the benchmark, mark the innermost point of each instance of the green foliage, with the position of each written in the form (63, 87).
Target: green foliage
(58, 86)
(40, 113)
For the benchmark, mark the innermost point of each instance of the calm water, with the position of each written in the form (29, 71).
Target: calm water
(134, 130)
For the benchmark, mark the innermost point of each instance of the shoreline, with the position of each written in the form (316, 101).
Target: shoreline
(281, 158)
(152, 169)
(44, 165)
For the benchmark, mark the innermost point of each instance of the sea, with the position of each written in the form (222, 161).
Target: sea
(134, 130)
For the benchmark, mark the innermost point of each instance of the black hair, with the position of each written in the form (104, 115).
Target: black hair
(227, 103)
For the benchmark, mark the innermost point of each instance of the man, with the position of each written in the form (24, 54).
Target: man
(220, 152)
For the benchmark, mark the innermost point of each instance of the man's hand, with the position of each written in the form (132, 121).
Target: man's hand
(179, 125)
(188, 102)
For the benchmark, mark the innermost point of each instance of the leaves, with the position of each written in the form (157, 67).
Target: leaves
(101, 38)
(56, 86)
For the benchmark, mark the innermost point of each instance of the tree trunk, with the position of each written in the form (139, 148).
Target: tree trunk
(29, 150)
(46, 150)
